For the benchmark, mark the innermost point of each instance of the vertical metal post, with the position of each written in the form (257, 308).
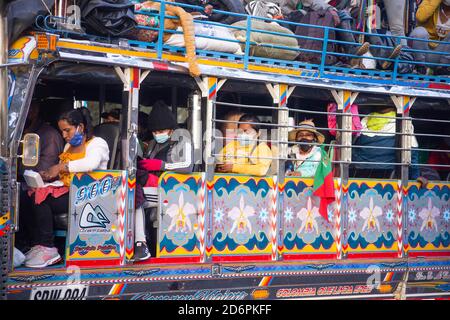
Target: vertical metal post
(131, 78)
(209, 87)
(403, 105)
(280, 94)
(4, 196)
(162, 13)
(324, 52)
(3, 82)
(344, 100)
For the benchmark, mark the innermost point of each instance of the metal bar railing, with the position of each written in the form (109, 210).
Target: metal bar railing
(322, 67)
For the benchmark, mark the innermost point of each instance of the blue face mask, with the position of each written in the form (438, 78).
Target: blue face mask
(161, 138)
(77, 139)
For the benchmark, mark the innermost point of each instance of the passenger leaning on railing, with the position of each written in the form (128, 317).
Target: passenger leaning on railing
(433, 19)
(306, 155)
(83, 153)
(246, 155)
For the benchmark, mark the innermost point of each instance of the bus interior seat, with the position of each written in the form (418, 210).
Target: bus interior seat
(110, 132)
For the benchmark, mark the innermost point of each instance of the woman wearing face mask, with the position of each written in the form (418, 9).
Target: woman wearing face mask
(307, 154)
(169, 151)
(245, 155)
(82, 153)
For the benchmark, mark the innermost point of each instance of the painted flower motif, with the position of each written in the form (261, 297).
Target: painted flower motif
(288, 215)
(179, 214)
(218, 215)
(330, 213)
(412, 215)
(352, 216)
(308, 217)
(428, 216)
(390, 216)
(370, 217)
(240, 216)
(263, 215)
(447, 215)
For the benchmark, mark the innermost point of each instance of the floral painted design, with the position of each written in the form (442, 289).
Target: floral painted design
(412, 215)
(352, 216)
(447, 215)
(429, 215)
(390, 216)
(308, 217)
(263, 215)
(179, 214)
(218, 215)
(370, 216)
(240, 217)
(288, 215)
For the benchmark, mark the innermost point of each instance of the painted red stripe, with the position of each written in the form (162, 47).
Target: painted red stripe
(429, 253)
(93, 263)
(373, 255)
(160, 66)
(170, 260)
(242, 258)
(307, 256)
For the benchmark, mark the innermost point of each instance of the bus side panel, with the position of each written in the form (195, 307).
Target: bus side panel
(96, 219)
(372, 219)
(428, 220)
(307, 235)
(179, 227)
(241, 218)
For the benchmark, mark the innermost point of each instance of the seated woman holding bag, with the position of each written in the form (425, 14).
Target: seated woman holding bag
(82, 153)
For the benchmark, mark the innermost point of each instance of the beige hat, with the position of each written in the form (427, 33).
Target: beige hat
(307, 125)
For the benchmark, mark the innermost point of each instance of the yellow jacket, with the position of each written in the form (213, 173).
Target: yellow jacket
(427, 17)
(239, 155)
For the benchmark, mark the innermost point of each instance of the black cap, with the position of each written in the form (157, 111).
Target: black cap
(161, 117)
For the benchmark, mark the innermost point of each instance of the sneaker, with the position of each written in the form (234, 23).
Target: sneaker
(141, 251)
(362, 50)
(32, 252)
(42, 257)
(394, 54)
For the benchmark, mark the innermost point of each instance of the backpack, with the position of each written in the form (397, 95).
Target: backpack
(320, 18)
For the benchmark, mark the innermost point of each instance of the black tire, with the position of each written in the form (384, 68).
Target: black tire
(235, 6)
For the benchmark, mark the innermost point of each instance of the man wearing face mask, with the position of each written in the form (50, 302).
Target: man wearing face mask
(307, 152)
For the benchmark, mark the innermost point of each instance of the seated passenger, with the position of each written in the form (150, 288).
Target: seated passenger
(380, 132)
(51, 144)
(83, 153)
(230, 129)
(307, 155)
(111, 116)
(169, 151)
(433, 19)
(246, 155)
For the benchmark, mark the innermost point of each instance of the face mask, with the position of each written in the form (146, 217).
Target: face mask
(161, 138)
(305, 147)
(245, 139)
(77, 139)
(446, 2)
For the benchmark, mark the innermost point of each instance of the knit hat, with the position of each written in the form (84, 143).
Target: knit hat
(307, 125)
(161, 117)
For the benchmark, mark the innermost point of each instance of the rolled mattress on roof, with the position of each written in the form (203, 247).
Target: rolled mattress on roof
(268, 39)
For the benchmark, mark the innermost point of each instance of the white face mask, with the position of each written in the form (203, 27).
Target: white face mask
(446, 2)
